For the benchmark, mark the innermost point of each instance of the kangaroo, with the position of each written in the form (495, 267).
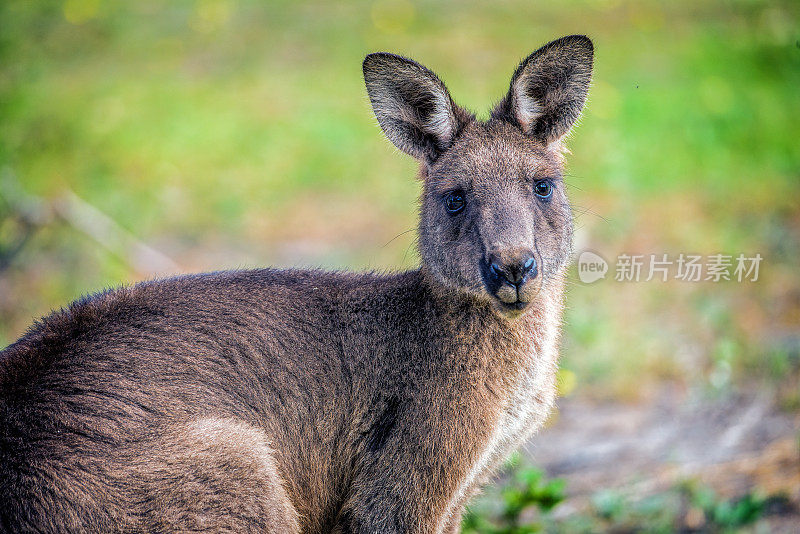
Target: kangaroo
(285, 401)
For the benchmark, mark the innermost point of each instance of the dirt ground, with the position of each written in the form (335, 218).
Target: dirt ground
(734, 444)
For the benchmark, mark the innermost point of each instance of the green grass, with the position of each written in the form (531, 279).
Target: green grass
(231, 133)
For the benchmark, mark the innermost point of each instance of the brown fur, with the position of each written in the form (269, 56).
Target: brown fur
(309, 401)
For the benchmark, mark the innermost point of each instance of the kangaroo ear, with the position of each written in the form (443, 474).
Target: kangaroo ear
(412, 105)
(548, 89)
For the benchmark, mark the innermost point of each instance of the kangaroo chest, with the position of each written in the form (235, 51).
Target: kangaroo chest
(533, 389)
(527, 396)
(527, 402)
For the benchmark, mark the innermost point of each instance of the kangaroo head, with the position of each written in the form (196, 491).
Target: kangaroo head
(495, 222)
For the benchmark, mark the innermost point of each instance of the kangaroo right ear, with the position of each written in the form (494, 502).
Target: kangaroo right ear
(549, 88)
(412, 105)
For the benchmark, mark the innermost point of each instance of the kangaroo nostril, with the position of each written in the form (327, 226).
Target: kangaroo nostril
(496, 270)
(528, 264)
(514, 273)
(529, 269)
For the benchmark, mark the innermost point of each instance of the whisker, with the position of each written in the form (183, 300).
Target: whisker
(398, 235)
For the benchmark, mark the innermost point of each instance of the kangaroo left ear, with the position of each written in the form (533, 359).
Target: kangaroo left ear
(548, 89)
(412, 105)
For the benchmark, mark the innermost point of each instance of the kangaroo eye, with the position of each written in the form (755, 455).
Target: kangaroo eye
(454, 202)
(543, 189)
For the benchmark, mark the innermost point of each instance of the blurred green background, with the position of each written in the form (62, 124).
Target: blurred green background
(145, 138)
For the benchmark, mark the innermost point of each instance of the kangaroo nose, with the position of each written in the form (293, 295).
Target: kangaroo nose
(514, 272)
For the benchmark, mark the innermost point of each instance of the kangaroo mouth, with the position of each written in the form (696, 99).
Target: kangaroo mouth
(512, 306)
(509, 297)
(513, 301)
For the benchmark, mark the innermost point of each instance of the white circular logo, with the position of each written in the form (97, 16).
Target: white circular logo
(591, 267)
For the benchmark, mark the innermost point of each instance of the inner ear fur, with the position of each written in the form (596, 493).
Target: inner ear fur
(412, 105)
(548, 89)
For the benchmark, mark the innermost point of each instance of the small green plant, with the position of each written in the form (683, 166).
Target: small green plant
(608, 504)
(666, 511)
(613, 510)
(722, 514)
(526, 489)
